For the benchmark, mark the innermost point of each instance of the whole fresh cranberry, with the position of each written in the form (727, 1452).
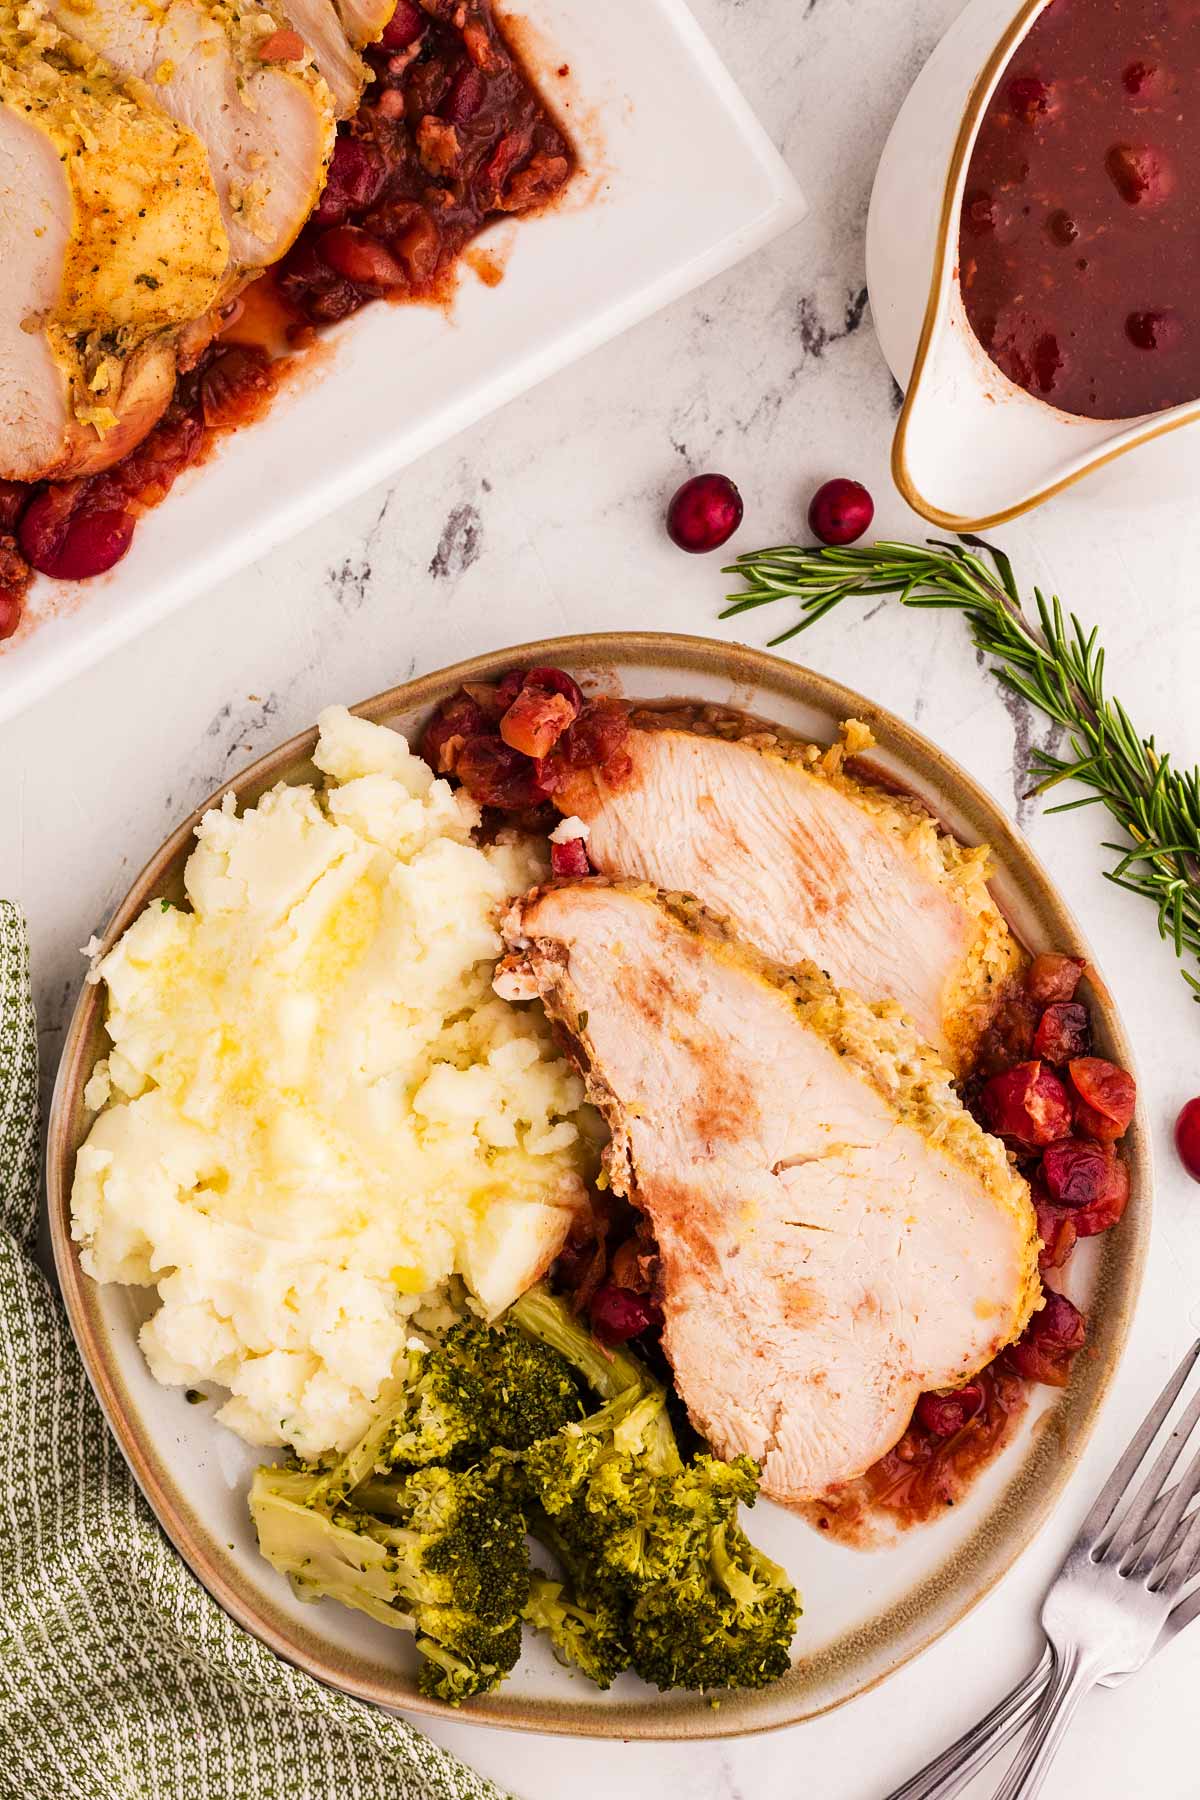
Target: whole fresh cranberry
(704, 514)
(1187, 1138)
(841, 511)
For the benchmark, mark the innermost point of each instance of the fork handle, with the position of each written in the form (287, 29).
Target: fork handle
(948, 1774)
(1071, 1680)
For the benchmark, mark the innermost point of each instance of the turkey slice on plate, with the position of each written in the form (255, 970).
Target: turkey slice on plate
(836, 1233)
(111, 242)
(808, 861)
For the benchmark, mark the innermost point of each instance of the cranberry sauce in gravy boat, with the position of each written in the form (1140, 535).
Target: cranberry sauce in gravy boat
(1035, 197)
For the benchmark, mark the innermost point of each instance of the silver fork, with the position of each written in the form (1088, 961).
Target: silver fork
(1156, 1525)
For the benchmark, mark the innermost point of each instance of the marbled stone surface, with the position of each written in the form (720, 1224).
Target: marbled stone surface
(547, 519)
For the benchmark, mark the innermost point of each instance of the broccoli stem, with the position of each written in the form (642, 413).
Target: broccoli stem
(611, 1373)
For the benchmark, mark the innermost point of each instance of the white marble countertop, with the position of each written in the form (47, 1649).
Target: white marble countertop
(547, 519)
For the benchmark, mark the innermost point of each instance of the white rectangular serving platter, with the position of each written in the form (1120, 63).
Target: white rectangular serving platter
(679, 183)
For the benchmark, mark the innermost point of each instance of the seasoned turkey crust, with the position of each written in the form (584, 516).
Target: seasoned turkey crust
(812, 856)
(836, 1232)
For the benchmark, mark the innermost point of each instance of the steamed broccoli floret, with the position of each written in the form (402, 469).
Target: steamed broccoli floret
(724, 1618)
(422, 1524)
(480, 1389)
(589, 1638)
(447, 1561)
(655, 1540)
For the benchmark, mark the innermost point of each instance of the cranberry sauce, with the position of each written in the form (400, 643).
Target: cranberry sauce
(1081, 214)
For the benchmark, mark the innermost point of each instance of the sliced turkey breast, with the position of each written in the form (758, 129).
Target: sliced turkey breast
(321, 27)
(364, 20)
(111, 240)
(836, 1234)
(809, 861)
(267, 125)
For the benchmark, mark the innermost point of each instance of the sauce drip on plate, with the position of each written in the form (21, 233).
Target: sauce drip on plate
(1081, 217)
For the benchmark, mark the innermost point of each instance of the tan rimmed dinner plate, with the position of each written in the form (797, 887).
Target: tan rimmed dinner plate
(865, 1613)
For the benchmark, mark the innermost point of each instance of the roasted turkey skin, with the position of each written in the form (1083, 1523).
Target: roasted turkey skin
(836, 1233)
(810, 861)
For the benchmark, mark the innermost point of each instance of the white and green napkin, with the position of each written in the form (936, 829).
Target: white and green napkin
(120, 1678)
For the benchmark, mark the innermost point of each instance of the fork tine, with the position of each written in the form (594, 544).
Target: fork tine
(1132, 1525)
(1114, 1488)
(1179, 1567)
(1184, 1492)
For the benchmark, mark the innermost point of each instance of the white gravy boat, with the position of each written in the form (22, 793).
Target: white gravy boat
(971, 448)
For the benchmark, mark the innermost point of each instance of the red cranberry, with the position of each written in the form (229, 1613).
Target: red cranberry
(1141, 174)
(1031, 99)
(841, 511)
(1056, 1231)
(1076, 1172)
(1187, 1138)
(1028, 1104)
(944, 1414)
(465, 97)
(455, 720)
(535, 721)
(1050, 1341)
(1053, 977)
(704, 514)
(1107, 1097)
(404, 27)
(569, 861)
(12, 605)
(355, 179)
(494, 774)
(555, 681)
(1154, 330)
(72, 546)
(618, 1314)
(361, 258)
(1108, 1206)
(1062, 1032)
(236, 387)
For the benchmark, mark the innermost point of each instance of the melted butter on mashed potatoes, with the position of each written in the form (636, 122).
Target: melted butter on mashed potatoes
(315, 1111)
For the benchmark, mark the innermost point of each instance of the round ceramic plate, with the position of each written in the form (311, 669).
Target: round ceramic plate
(866, 1613)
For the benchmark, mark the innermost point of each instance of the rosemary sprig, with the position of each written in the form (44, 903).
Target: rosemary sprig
(1054, 664)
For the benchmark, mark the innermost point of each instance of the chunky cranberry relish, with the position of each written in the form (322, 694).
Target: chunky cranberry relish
(1061, 1112)
(450, 133)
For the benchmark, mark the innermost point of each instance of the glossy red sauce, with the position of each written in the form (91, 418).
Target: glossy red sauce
(1081, 215)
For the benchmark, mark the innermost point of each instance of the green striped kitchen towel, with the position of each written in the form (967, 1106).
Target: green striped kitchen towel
(120, 1679)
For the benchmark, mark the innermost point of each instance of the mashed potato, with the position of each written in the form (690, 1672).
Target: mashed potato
(315, 1112)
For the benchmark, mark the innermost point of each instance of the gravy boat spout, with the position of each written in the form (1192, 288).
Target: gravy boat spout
(971, 448)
